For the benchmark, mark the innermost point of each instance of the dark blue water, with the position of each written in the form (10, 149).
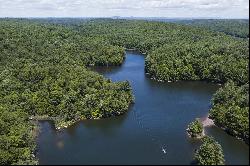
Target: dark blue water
(156, 121)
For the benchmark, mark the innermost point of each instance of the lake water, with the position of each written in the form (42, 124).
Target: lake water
(156, 121)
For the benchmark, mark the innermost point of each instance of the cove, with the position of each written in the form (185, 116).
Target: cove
(156, 121)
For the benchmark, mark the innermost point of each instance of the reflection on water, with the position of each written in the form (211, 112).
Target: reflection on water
(151, 132)
(60, 144)
(233, 149)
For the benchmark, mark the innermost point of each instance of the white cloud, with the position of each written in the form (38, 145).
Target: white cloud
(102, 8)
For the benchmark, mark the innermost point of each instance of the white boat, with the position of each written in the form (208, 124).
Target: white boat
(164, 150)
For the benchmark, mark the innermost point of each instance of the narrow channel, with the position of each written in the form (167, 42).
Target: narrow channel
(156, 121)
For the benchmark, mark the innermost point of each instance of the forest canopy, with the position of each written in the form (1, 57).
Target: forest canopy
(234, 27)
(44, 74)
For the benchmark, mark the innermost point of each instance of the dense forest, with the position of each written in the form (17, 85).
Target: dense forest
(234, 27)
(177, 52)
(230, 109)
(44, 73)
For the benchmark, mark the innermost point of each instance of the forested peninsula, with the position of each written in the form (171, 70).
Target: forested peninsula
(44, 73)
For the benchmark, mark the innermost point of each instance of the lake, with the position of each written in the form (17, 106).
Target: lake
(156, 121)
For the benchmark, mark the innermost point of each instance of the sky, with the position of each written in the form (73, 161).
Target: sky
(126, 8)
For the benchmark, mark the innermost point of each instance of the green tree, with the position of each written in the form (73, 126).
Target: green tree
(195, 129)
(209, 153)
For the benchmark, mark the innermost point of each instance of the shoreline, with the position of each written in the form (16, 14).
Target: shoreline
(207, 122)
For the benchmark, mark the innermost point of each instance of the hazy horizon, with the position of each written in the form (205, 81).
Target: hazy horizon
(211, 9)
(128, 17)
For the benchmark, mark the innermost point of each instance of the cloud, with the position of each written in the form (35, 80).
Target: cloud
(97, 8)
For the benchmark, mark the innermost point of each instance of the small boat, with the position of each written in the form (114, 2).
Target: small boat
(164, 150)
